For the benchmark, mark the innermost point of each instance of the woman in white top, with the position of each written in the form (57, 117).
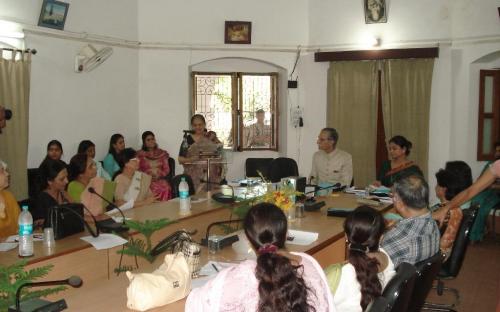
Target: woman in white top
(368, 270)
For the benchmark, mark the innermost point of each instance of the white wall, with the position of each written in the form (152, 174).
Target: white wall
(69, 106)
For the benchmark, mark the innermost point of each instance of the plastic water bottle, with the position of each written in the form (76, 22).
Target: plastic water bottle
(185, 201)
(25, 222)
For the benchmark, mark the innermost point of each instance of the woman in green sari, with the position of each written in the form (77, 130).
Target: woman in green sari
(399, 165)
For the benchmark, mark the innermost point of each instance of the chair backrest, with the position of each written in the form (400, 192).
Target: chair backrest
(398, 291)
(427, 272)
(34, 183)
(452, 266)
(252, 165)
(171, 165)
(177, 180)
(380, 304)
(282, 167)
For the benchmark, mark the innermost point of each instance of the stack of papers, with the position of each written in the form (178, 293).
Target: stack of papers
(104, 241)
(302, 238)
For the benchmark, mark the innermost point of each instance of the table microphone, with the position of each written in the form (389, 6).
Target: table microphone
(40, 304)
(110, 224)
(310, 204)
(224, 241)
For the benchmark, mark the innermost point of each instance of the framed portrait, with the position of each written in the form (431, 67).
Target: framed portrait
(238, 32)
(375, 11)
(53, 14)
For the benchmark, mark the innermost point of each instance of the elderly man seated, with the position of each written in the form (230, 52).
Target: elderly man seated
(416, 237)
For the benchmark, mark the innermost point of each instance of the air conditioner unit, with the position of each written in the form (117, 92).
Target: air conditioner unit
(89, 58)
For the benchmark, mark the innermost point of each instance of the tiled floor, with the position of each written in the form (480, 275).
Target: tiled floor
(479, 280)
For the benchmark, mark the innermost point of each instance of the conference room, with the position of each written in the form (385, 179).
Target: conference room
(142, 119)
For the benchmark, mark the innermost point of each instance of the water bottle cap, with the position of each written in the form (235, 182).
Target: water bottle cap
(24, 207)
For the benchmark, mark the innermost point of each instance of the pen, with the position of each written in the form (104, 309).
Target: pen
(216, 270)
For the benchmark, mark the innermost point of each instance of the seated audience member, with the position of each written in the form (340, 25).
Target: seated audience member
(54, 178)
(258, 134)
(88, 147)
(9, 209)
(131, 184)
(154, 162)
(81, 170)
(110, 162)
(398, 165)
(455, 178)
(330, 164)
(485, 180)
(54, 150)
(277, 281)
(358, 282)
(416, 237)
(486, 200)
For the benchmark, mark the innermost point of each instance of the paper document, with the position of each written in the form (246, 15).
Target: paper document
(119, 219)
(7, 246)
(303, 238)
(128, 205)
(104, 241)
(214, 267)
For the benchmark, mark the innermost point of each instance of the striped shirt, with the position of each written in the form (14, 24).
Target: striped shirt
(412, 240)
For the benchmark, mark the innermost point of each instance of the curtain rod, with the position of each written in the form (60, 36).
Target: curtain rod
(32, 51)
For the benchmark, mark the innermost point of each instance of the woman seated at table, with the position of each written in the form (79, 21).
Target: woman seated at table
(131, 184)
(9, 209)
(88, 147)
(82, 169)
(54, 150)
(110, 162)
(452, 180)
(189, 153)
(368, 270)
(54, 178)
(154, 162)
(398, 165)
(278, 280)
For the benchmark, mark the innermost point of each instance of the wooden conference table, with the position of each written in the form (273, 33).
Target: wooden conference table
(102, 290)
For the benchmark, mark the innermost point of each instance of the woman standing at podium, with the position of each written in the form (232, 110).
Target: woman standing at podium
(189, 154)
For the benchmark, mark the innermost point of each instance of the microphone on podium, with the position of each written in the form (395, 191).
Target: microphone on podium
(110, 225)
(40, 304)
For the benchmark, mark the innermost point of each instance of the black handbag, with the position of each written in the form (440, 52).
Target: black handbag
(65, 220)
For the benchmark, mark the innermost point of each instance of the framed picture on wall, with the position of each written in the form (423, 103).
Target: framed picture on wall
(238, 32)
(53, 14)
(375, 11)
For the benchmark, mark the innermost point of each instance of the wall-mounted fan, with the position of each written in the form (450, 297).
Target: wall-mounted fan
(89, 58)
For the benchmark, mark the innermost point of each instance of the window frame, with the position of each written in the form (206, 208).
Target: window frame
(237, 106)
(494, 115)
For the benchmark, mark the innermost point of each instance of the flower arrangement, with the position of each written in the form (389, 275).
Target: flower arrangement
(284, 198)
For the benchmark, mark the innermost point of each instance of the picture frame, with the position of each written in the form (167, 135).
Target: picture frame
(238, 32)
(53, 14)
(375, 11)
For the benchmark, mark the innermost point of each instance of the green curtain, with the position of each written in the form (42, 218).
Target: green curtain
(14, 95)
(352, 110)
(406, 96)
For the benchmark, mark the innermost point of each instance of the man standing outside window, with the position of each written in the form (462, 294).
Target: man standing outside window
(258, 134)
(330, 164)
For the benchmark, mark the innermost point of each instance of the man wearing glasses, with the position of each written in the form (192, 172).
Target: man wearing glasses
(330, 164)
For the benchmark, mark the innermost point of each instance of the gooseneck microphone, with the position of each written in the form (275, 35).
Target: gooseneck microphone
(93, 191)
(43, 305)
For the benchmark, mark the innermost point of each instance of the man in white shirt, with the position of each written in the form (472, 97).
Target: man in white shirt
(330, 164)
(258, 135)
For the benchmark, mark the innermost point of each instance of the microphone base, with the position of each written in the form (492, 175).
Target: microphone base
(224, 241)
(110, 226)
(40, 305)
(311, 205)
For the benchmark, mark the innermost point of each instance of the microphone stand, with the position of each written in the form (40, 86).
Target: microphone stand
(225, 241)
(43, 305)
(110, 225)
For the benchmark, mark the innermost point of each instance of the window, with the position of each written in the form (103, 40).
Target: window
(242, 108)
(489, 114)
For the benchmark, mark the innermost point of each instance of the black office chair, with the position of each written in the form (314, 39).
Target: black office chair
(282, 167)
(451, 267)
(380, 304)
(399, 290)
(427, 271)
(177, 180)
(252, 165)
(171, 165)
